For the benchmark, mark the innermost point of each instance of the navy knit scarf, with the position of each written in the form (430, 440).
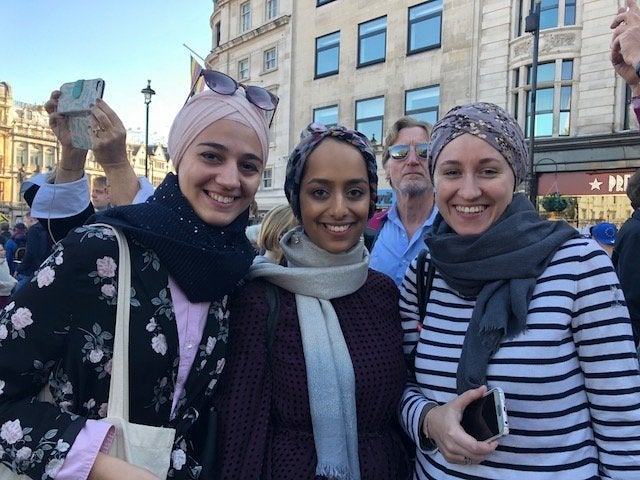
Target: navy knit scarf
(499, 268)
(207, 262)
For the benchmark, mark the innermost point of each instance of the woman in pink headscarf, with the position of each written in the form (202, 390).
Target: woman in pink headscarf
(188, 253)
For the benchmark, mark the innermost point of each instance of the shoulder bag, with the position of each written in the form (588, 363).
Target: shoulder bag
(145, 446)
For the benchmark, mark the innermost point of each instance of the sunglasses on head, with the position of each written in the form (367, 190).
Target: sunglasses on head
(225, 85)
(400, 152)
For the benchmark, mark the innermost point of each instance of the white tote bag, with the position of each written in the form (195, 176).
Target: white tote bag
(142, 445)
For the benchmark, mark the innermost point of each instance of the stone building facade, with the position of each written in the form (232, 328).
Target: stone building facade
(364, 63)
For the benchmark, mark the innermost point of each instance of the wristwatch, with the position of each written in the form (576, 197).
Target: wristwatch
(638, 69)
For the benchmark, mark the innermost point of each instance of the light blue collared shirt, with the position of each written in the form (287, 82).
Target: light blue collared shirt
(393, 251)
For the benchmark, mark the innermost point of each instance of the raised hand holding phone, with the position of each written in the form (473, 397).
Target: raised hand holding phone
(75, 101)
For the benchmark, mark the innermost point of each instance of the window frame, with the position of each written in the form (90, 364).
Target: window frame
(417, 113)
(242, 61)
(414, 23)
(561, 82)
(333, 46)
(265, 60)
(267, 178)
(380, 117)
(271, 9)
(245, 17)
(326, 107)
(364, 38)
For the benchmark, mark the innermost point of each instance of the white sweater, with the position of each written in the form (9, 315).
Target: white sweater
(571, 380)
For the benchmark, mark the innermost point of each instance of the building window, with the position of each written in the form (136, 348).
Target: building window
(267, 178)
(372, 41)
(243, 69)
(327, 55)
(369, 117)
(422, 103)
(553, 98)
(245, 17)
(270, 60)
(425, 26)
(326, 115)
(272, 9)
(554, 13)
(216, 35)
(49, 159)
(322, 2)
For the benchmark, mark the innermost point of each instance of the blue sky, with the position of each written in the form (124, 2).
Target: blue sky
(45, 43)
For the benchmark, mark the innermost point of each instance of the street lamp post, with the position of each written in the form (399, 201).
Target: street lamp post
(148, 92)
(532, 25)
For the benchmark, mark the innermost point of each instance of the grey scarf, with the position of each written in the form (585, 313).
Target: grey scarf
(500, 268)
(317, 276)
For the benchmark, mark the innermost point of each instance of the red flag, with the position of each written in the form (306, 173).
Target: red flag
(197, 82)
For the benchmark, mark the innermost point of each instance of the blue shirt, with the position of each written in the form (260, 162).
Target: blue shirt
(393, 251)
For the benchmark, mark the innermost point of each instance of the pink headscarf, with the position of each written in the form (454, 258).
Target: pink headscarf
(208, 107)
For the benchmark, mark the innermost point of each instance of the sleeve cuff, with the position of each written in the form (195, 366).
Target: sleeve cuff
(145, 191)
(95, 437)
(61, 200)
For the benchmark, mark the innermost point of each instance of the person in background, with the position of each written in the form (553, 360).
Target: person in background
(520, 303)
(605, 234)
(277, 221)
(37, 249)
(625, 49)
(18, 240)
(188, 254)
(320, 401)
(7, 282)
(252, 235)
(100, 195)
(5, 233)
(626, 258)
(396, 236)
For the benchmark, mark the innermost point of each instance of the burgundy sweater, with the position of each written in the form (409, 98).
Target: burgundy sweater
(265, 427)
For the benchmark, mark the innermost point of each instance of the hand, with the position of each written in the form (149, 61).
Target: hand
(72, 158)
(456, 445)
(111, 468)
(625, 44)
(108, 136)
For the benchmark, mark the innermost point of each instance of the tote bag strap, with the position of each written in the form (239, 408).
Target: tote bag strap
(119, 386)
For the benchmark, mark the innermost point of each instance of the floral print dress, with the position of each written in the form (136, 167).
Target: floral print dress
(60, 328)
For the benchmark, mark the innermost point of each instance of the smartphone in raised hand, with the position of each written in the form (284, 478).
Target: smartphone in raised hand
(75, 104)
(485, 419)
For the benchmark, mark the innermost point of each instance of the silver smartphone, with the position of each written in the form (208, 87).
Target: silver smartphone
(486, 419)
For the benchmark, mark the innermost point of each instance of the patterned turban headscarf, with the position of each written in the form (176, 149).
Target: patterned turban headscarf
(208, 107)
(310, 138)
(489, 122)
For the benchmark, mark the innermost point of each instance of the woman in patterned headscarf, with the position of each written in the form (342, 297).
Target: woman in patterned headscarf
(320, 400)
(519, 303)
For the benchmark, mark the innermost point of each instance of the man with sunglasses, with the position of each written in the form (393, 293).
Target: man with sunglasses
(396, 236)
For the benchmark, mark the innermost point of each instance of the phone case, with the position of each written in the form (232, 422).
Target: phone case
(77, 97)
(485, 419)
(75, 102)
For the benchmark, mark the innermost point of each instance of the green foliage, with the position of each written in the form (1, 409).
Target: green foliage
(554, 202)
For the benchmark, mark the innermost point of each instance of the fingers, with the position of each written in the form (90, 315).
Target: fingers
(52, 104)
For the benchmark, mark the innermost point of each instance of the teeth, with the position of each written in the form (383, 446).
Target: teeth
(338, 228)
(220, 198)
(476, 209)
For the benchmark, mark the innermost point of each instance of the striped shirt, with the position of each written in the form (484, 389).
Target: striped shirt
(571, 380)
